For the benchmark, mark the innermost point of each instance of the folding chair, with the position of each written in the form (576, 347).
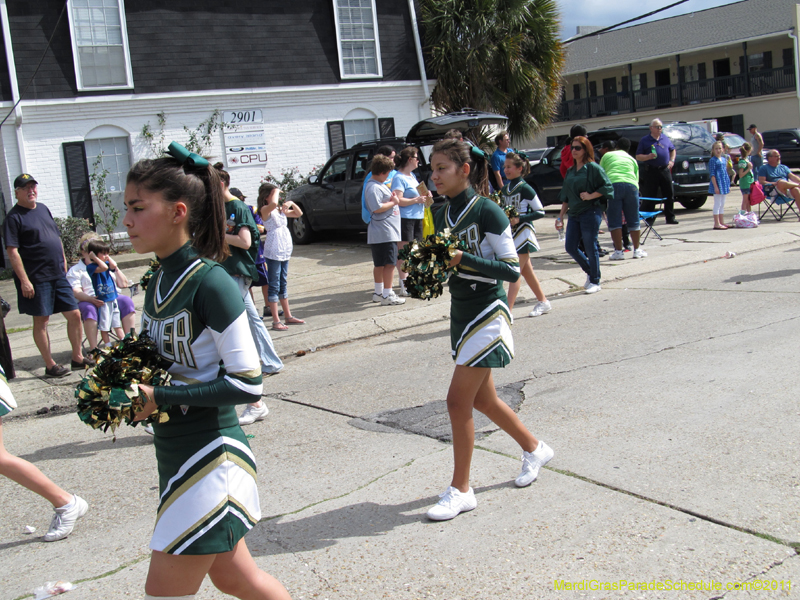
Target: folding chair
(776, 204)
(645, 215)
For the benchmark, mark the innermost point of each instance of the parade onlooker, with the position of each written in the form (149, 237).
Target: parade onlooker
(382, 151)
(480, 332)
(746, 177)
(656, 152)
(521, 196)
(584, 194)
(207, 471)
(34, 249)
(102, 270)
(383, 232)
(277, 250)
(566, 151)
(782, 179)
(412, 205)
(623, 172)
(720, 184)
(83, 290)
(756, 147)
(498, 177)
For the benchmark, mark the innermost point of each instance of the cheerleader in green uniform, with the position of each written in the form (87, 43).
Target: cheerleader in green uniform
(480, 322)
(521, 196)
(195, 313)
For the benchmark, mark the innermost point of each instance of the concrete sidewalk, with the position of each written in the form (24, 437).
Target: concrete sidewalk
(330, 288)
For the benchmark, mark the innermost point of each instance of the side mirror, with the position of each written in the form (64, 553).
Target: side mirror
(545, 161)
(313, 179)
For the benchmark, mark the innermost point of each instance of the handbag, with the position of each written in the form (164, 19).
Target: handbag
(747, 220)
(5, 307)
(756, 193)
(427, 223)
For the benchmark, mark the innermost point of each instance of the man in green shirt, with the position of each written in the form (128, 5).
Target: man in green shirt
(623, 171)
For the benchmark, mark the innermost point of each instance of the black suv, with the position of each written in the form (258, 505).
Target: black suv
(332, 199)
(785, 141)
(690, 177)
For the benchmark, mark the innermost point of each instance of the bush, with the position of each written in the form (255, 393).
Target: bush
(290, 179)
(71, 229)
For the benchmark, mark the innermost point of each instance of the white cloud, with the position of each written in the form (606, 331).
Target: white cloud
(603, 13)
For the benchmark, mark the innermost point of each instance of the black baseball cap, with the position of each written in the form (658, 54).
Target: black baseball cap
(237, 192)
(24, 180)
(752, 127)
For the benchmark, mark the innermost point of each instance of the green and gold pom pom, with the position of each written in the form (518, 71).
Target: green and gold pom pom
(151, 270)
(427, 264)
(109, 394)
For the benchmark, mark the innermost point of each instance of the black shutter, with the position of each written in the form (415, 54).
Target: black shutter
(767, 60)
(335, 136)
(386, 127)
(78, 185)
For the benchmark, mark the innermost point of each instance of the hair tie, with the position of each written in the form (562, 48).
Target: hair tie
(185, 157)
(522, 155)
(478, 153)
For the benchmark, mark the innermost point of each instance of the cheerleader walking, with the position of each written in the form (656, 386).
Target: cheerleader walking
(520, 195)
(195, 313)
(480, 331)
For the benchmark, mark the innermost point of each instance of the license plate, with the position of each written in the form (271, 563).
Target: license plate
(700, 166)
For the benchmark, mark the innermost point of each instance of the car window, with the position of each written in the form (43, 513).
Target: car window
(337, 170)
(361, 164)
(689, 139)
(785, 138)
(733, 140)
(770, 139)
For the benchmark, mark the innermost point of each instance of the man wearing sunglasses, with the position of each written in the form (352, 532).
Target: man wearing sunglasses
(657, 157)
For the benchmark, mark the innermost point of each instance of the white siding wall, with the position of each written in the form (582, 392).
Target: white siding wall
(294, 122)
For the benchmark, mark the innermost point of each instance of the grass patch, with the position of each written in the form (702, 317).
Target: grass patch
(6, 274)
(18, 329)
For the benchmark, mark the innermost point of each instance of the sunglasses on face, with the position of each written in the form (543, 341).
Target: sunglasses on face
(577, 148)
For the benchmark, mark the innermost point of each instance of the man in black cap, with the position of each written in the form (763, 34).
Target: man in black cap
(37, 257)
(756, 146)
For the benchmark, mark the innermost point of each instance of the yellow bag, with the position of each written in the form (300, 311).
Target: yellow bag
(427, 223)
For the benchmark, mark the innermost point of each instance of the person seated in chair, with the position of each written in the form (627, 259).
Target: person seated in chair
(774, 175)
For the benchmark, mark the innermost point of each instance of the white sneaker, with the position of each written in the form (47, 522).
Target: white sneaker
(64, 520)
(252, 414)
(639, 253)
(593, 288)
(452, 503)
(532, 462)
(588, 282)
(404, 291)
(541, 308)
(376, 297)
(617, 255)
(392, 300)
(148, 428)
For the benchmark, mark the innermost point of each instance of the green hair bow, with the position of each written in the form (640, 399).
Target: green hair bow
(185, 157)
(478, 153)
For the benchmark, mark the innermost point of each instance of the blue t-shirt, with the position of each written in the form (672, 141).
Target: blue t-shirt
(718, 168)
(497, 161)
(103, 283)
(366, 216)
(408, 183)
(774, 173)
(663, 147)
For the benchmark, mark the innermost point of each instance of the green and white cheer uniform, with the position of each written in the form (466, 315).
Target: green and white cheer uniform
(7, 401)
(521, 196)
(480, 322)
(207, 473)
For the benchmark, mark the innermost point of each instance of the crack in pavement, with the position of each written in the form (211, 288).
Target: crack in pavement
(764, 571)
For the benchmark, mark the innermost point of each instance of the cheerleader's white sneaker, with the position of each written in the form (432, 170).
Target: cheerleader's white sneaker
(452, 503)
(251, 414)
(65, 518)
(532, 462)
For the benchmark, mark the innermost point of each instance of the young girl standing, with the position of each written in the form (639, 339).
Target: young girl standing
(720, 184)
(195, 313)
(521, 196)
(746, 177)
(480, 331)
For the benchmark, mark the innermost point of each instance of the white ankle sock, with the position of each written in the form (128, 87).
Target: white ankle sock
(379, 288)
(69, 504)
(386, 292)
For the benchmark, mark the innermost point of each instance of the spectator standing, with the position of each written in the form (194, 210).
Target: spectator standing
(584, 194)
(37, 257)
(756, 146)
(412, 205)
(498, 177)
(720, 184)
(383, 232)
(623, 173)
(102, 269)
(746, 177)
(657, 155)
(277, 250)
(382, 151)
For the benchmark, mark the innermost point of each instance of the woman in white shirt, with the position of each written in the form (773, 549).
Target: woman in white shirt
(277, 250)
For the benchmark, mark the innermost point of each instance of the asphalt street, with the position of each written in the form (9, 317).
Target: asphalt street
(669, 399)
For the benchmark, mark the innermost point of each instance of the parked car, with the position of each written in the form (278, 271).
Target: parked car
(689, 175)
(332, 199)
(535, 154)
(785, 141)
(734, 141)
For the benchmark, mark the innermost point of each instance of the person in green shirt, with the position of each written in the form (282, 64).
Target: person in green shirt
(584, 196)
(623, 172)
(746, 178)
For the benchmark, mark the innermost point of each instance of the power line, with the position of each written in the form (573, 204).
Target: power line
(599, 31)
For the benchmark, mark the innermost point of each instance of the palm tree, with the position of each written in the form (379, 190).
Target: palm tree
(495, 55)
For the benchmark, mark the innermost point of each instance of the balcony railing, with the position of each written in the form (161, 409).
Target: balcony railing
(756, 83)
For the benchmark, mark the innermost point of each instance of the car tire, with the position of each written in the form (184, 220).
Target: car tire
(693, 203)
(301, 230)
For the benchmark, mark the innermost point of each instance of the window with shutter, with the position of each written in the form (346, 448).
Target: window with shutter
(335, 136)
(386, 127)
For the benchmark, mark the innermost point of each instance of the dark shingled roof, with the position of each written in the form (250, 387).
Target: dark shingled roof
(730, 23)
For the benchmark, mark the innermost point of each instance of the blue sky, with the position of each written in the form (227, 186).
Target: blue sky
(608, 12)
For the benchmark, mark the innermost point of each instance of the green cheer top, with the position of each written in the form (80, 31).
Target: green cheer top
(242, 262)
(590, 178)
